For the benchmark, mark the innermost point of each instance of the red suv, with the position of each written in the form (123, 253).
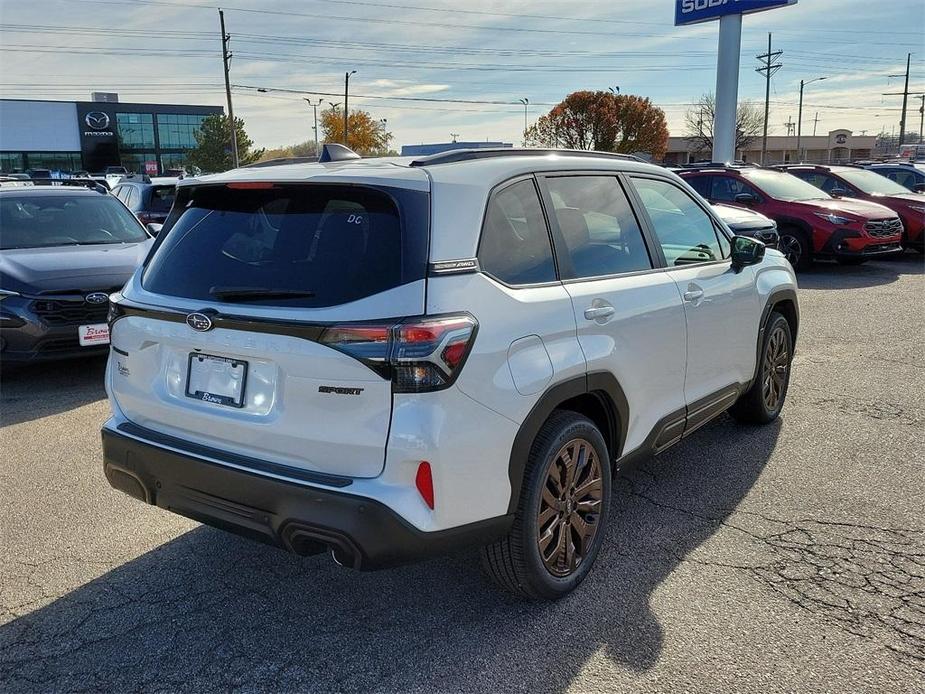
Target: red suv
(854, 182)
(811, 223)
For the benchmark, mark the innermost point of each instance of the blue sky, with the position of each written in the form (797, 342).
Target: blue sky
(169, 51)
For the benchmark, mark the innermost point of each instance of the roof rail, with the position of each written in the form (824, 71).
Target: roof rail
(457, 155)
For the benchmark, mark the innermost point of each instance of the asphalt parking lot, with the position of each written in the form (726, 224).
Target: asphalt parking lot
(784, 558)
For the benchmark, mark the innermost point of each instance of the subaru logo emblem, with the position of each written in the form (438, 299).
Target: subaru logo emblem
(97, 298)
(97, 120)
(199, 322)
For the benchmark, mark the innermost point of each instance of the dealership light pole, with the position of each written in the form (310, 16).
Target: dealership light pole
(226, 61)
(800, 115)
(315, 109)
(346, 110)
(526, 102)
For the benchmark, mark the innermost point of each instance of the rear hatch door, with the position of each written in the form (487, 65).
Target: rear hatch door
(258, 324)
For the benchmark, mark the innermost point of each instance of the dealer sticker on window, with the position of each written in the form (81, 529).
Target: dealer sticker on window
(90, 335)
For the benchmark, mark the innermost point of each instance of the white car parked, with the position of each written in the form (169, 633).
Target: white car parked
(395, 358)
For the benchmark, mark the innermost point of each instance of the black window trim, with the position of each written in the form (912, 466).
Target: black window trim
(569, 276)
(497, 189)
(718, 226)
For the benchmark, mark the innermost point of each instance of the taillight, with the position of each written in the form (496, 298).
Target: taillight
(417, 354)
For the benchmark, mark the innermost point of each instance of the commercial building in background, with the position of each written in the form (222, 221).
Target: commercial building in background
(91, 135)
(835, 147)
(423, 150)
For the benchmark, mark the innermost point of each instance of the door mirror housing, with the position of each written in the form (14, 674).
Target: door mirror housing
(840, 193)
(746, 251)
(154, 229)
(746, 198)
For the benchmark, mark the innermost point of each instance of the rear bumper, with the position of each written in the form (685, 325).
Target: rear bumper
(362, 533)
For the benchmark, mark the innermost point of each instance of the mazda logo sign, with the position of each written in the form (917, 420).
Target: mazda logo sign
(97, 298)
(199, 322)
(97, 120)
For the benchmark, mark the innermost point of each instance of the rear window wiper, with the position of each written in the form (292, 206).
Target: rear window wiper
(245, 293)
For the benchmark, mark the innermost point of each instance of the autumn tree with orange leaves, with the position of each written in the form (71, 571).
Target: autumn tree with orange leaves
(367, 136)
(604, 122)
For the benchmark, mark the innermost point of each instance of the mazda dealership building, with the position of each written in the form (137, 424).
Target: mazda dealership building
(91, 135)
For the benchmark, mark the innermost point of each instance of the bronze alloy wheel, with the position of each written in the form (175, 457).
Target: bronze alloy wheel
(570, 505)
(776, 365)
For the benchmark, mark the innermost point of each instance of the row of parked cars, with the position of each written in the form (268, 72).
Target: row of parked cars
(65, 247)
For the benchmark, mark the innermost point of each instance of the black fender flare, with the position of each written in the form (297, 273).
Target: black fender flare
(602, 383)
(774, 298)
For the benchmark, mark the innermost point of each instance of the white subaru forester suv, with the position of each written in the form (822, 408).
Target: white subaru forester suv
(394, 358)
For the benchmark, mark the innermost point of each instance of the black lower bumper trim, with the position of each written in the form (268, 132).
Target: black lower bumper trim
(361, 532)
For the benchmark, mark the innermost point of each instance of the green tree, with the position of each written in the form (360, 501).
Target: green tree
(212, 152)
(604, 122)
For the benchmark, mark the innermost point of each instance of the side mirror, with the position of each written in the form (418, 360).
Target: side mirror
(840, 193)
(919, 188)
(746, 251)
(154, 229)
(746, 198)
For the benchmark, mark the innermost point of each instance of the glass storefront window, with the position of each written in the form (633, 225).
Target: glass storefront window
(173, 161)
(134, 162)
(18, 162)
(136, 130)
(178, 130)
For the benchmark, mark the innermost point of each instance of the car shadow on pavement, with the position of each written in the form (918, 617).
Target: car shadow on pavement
(830, 275)
(210, 611)
(40, 390)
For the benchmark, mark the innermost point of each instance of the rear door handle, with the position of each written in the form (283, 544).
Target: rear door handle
(599, 313)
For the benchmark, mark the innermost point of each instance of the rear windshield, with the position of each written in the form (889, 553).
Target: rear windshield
(162, 198)
(305, 245)
(37, 221)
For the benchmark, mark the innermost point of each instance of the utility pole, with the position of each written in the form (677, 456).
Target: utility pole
(768, 68)
(346, 110)
(902, 120)
(226, 61)
(815, 123)
(315, 109)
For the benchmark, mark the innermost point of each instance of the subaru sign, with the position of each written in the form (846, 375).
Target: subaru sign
(694, 11)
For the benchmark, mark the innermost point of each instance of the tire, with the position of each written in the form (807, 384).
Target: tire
(794, 244)
(850, 261)
(762, 402)
(516, 563)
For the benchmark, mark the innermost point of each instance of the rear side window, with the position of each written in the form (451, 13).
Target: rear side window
(515, 246)
(598, 225)
(162, 198)
(304, 245)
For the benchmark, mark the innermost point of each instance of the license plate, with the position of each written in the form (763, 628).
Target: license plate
(216, 379)
(91, 335)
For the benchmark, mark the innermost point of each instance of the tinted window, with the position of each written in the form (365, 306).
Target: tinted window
(34, 221)
(783, 186)
(685, 232)
(598, 225)
(331, 244)
(162, 198)
(822, 181)
(515, 244)
(701, 184)
(725, 188)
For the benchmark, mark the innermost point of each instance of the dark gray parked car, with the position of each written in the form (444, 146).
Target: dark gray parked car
(63, 250)
(150, 199)
(749, 223)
